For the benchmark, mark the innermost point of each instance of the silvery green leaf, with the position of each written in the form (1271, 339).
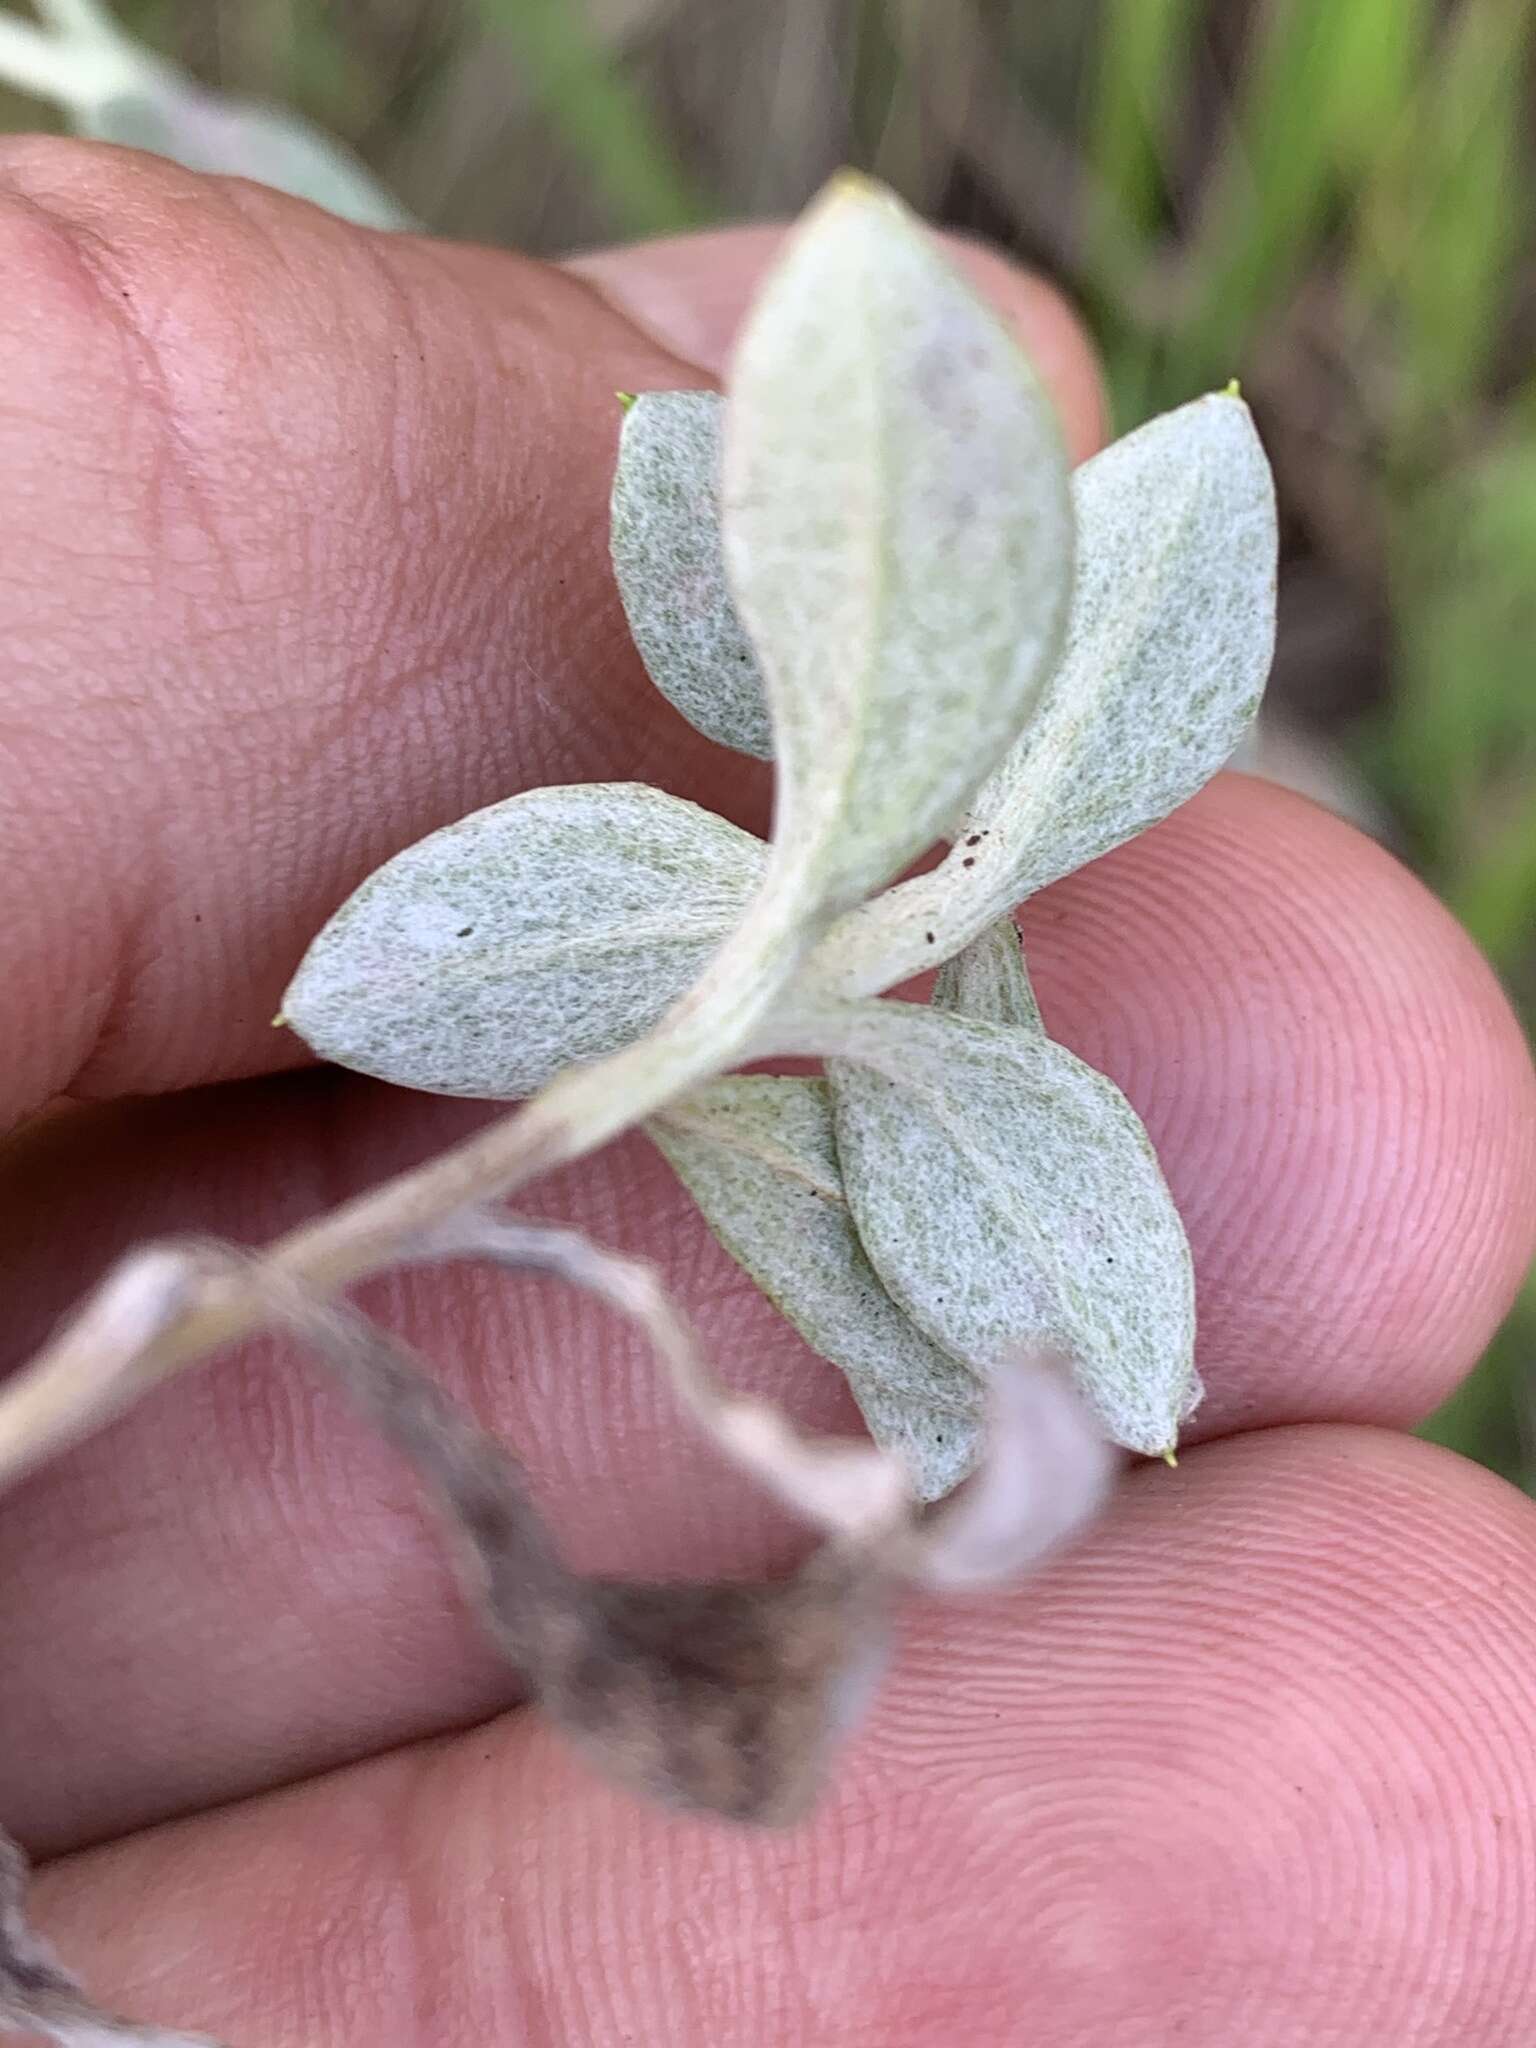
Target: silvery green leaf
(115, 90)
(546, 930)
(988, 979)
(665, 540)
(1170, 641)
(898, 536)
(242, 138)
(1007, 1193)
(756, 1152)
(897, 530)
(1164, 667)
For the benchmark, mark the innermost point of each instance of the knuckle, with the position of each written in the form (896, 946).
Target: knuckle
(78, 222)
(173, 320)
(84, 346)
(175, 434)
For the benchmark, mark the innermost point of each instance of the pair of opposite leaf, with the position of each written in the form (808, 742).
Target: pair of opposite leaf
(869, 563)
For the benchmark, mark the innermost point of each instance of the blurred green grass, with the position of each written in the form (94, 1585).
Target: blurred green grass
(1326, 198)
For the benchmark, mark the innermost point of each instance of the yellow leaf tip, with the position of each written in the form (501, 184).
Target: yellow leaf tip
(627, 400)
(1170, 1458)
(852, 184)
(1232, 389)
(848, 188)
(279, 1022)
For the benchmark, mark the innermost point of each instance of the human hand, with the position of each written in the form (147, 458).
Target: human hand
(304, 555)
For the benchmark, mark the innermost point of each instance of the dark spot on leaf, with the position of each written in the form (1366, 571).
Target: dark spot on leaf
(969, 861)
(464, 934)
(929, 937)
(974, 840)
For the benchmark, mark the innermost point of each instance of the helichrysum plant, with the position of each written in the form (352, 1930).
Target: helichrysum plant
(868, 561)
(870, 564)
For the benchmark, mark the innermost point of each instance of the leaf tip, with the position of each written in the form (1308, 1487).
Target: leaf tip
(847, 183)
(1170, 1458)
(628, 400)
(848, 191)
(1232, 388)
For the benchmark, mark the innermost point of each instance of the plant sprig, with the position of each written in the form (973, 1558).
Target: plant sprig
(551, 927)
(889, 592)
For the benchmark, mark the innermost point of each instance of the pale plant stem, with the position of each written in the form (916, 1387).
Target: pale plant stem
(34, 63)
(885, 941)
(844, 1487)
(85, 63)
(116, 1348)
(79, 21)
(832, 1027)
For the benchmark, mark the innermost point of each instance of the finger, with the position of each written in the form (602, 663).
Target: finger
(1252, 1765)
(1339, 1096)
(688, 292)
(306, 555)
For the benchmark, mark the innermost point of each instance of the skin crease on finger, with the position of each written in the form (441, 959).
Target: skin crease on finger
(219, 639)
(1252, 1767)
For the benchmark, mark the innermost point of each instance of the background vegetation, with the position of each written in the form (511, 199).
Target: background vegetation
(1327, 198)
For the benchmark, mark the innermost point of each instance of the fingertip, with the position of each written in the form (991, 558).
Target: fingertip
(690, 292)
(1250, 1766)
(1336, 1085)
(687, 292)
